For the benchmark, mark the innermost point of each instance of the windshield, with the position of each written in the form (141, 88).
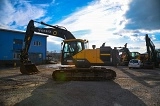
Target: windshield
(133, 61)
(72, 48)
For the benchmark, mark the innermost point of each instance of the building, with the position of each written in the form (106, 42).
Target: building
(11, 44)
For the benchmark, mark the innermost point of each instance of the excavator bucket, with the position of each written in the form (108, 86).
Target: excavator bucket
(28, 69)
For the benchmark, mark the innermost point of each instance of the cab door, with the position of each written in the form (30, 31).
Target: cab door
(69, 49)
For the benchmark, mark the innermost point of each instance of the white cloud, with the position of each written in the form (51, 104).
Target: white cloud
(6, 13)
(102, 18)
(54, 40)
(18, 13)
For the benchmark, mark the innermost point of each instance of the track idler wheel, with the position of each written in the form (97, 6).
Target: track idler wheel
(28, 69)
(110, 74)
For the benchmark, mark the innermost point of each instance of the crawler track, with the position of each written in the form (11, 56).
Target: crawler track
(83, 74)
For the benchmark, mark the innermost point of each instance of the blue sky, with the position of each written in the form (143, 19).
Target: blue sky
(115, 22)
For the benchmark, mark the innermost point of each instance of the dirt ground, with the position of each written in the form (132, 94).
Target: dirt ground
(132, 87)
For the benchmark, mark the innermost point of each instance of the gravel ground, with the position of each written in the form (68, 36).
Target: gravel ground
(132, 87)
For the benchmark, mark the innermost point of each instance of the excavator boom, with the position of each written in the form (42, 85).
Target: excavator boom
(27, 67)
(153, 59)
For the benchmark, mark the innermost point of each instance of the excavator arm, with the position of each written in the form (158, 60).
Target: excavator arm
(152, 53)
(53, 31)
(150, 48)
(125, 56)
(56, 31)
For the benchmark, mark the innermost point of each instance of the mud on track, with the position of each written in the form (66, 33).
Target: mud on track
(132, 87)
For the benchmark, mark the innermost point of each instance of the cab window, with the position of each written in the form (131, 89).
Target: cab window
(71, 48)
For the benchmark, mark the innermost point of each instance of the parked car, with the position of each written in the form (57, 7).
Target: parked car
(135, 63)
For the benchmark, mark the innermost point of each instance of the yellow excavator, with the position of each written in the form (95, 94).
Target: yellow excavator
(151, 58)
(78, 62)
(126, 55)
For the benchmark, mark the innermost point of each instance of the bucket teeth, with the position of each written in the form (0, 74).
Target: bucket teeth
(28, 69)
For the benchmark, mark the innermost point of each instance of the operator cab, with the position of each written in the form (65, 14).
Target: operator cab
(135, 55)
(70, 48)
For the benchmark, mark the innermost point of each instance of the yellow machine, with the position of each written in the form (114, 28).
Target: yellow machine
(150, 59)
(89, 64)
(126, 55)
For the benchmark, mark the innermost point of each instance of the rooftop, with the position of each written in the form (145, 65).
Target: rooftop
(20, 31)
